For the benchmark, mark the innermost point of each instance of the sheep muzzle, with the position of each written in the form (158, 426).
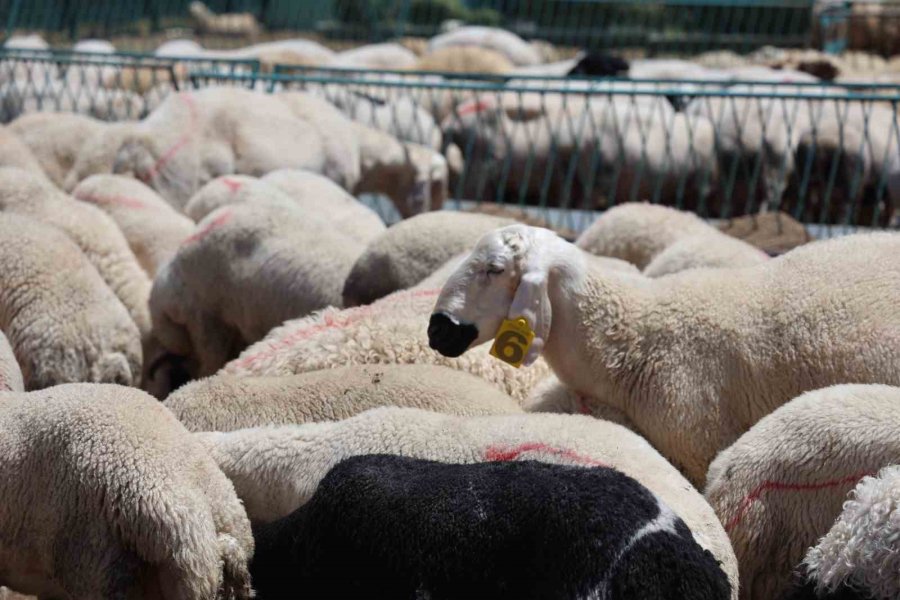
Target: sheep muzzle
(448, 336)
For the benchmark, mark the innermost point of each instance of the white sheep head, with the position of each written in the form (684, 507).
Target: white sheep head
(505, 277)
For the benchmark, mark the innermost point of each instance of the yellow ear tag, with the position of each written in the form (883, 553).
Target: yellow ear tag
(513, 341)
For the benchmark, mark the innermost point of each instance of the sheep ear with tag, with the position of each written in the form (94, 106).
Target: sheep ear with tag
(533, 302)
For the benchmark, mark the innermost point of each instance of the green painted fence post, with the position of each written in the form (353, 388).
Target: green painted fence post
(13, 18)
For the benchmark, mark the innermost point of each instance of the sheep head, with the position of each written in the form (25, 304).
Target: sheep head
(505, 277)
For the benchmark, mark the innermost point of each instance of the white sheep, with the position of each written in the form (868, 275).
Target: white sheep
(106, 495)
(860, 552)
(582, 152)
(781, 485)
(465, 59)
(660, 240)
(10, 373)
(401, 117)
(277, 469)
(246, 269)
(552, 396)
(411, 250)
(179, 48)
(152, 228)
(660, 351)
(95, 154)
(90, 228)
(412, 176)
(317, 194)
(56, 140)
(15, 153)
(517, 50)
(226, 402)
(63, 322)
(193, 137)
(207, 22)
(387, 332)
(375, 56)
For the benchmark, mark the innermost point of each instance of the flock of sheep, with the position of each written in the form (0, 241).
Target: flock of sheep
(226, 377)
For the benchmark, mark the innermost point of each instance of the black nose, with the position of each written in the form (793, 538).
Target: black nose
(449, 338)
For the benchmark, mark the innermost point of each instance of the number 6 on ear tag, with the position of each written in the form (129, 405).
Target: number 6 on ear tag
(513, 341)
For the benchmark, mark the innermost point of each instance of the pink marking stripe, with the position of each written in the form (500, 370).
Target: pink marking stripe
(220, 220)
(474, 106)
(333, 319)
(125, 201)
(583, 407)
(175, 148)
(500, 454)
(232, 185)
(781, 486)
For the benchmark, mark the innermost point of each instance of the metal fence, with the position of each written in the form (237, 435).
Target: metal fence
(563, 147)
(658, 26)
(107, 87)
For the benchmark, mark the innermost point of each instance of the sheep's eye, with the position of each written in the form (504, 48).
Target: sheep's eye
(494, 270)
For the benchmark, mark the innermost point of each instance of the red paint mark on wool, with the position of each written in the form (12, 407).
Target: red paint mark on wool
(501, 454)
(475, 106)
(331, 319)
(232, 184)
(780, 486)
(217, 222)
(583, 407)
(125, 201)
(175, 148)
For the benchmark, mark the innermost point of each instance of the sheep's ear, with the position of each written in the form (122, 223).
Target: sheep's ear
(533, 302)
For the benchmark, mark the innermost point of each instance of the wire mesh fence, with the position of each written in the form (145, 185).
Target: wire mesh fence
(564, 148)
(107, 87)
(825, 154)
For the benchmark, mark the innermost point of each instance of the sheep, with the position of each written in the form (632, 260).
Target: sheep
(94, 232)
(207, 22)
(15, 153)
(10, 373)
(193, 137)
(275, 470)
(858, 558)
(96, 153)
(62, 321)
(246, 269)
(94, 47)
(411, 250)
(297, 51)
(315, 193)
(387, 332)
(413, 176)
(660, 240)
(55, 140)
(577, 153)
(551, 396)
(375, 56)
(302, 190)
(780, 486)
(179, 48)
(152, 228)
(226, 403)
(465, 59)
(414, 528)
(711, 368)
(772, 232)
(153, 82)
(401, 117)
(517, 50)
(106, 495)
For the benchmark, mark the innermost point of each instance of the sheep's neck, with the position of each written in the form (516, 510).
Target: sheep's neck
(594, 334)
